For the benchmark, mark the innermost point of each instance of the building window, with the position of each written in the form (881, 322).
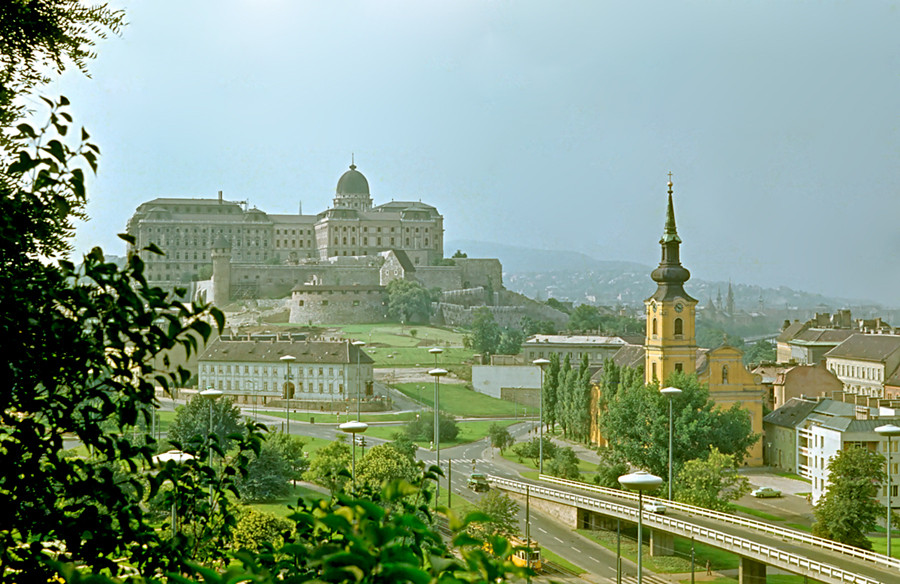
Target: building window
(653, 366)
(724, 373)
(679, 327)
(653, 330)
(679, 367)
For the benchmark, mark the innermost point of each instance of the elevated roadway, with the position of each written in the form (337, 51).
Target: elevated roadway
(758, 544)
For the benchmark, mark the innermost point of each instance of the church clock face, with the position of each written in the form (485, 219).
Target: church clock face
(679, 307)
(653, 306)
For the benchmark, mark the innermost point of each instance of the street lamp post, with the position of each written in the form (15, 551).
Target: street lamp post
(890, 431)
(288, 359)
(178, 457)
(353, 428)
(437, 374)
(212, 394)
(541, 363)
(640, 481)
(359, 345)
(671, 393)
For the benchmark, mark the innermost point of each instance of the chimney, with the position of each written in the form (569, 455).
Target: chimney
(299, 207)
(220, 197)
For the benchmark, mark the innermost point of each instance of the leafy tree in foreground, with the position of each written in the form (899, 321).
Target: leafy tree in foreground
(711, 482)
(290, 448)
(78, 348)
(849, 509)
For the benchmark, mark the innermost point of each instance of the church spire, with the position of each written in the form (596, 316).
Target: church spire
(670, 275)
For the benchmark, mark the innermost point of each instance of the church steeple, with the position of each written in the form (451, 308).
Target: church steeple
(670, 344)
(670, 275)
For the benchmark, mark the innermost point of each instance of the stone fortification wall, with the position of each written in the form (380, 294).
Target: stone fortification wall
(534, 309)
(443, 277)
(456, 315)
(486, 272)
(338, 304)
(277, 281)
(468, 297)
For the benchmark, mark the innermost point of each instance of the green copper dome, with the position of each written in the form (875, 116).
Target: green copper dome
(353, 182)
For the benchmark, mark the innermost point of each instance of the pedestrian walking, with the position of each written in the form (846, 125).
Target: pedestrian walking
(708, 568)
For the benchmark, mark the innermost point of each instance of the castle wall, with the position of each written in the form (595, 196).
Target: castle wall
(342, 304)
(487, 272)
(468, 297)
(456, 315)
(255, 281)
(443, 277)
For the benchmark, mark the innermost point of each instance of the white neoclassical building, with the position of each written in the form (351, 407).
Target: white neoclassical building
(253, 369)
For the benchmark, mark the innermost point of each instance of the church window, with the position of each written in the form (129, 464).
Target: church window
(679, 367)
(724, 373)
(653, 369)
(653, 329)
(679, 327)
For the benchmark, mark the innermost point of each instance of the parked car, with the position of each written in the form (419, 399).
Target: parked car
(478, 482)
(765, 492)
(654, 507)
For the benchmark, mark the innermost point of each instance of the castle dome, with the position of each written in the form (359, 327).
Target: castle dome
(353, 182)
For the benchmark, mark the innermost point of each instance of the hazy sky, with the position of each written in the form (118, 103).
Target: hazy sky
(541, 124)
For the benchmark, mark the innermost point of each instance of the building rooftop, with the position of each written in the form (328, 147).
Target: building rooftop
(867, 347)
(792, 413)
(305, 352)
(595, 340)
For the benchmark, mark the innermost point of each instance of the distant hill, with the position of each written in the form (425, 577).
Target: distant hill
(580, 278)
(523, 259)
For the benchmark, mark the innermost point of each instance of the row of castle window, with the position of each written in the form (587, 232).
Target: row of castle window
(294, 232)
(293, 243)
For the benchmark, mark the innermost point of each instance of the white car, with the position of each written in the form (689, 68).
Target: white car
(653, 507)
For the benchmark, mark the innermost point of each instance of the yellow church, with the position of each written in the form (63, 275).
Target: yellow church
(670, 344)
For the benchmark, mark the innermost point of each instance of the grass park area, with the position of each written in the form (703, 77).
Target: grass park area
(396, 345)
(458, 400)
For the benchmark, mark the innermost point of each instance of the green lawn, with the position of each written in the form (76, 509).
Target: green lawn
(417, 356)
(586, 468)
(329, 418)
(679, 563)
(756, 513)
(397, 335)
(458, 400)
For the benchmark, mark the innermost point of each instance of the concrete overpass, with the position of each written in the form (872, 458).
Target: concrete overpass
(758, 544)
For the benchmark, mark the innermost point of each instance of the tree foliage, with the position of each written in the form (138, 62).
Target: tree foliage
(532, 450)
(500, 436)
(382, 464)
(192, 422)
(850, 508)
(612, 465)
(563, 464)
(484, 337)
(503, 514)
(330, 466)
(78, 348)
(635, 422)
(421, 429)
(268, 473)
(409, 301)
(256, 528)
(711, 482)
